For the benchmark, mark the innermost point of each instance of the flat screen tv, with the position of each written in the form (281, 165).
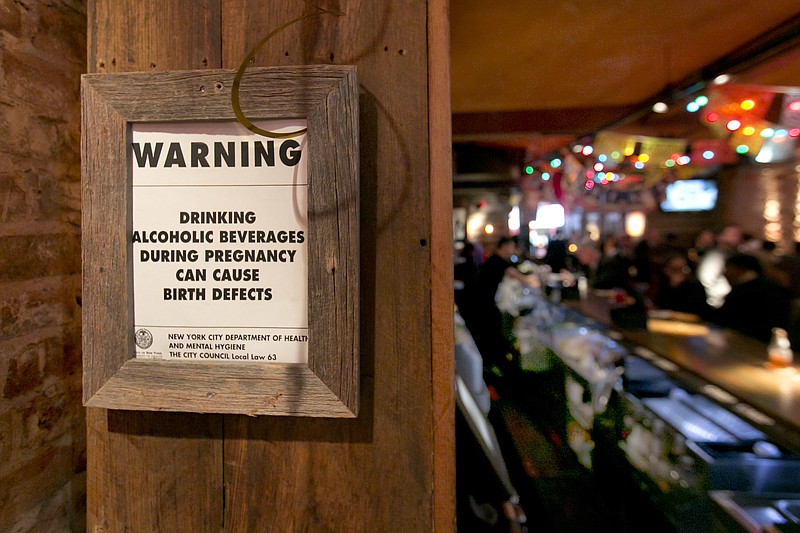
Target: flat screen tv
(690, 195)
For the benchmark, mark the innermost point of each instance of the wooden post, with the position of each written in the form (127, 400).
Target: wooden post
(392, 468)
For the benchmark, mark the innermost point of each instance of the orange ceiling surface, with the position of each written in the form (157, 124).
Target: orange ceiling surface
(535, 75)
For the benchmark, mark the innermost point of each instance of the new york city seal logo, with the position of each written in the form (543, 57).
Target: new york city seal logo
(143, 339)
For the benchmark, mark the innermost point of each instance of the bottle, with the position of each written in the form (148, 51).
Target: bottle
(779, 351)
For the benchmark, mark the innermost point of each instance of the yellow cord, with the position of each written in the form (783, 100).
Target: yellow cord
(237, 109)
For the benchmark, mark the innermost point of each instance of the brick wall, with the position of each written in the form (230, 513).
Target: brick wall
(42, 423)
(765, 201)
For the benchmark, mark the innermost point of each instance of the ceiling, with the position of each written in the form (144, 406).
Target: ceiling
(531, 77)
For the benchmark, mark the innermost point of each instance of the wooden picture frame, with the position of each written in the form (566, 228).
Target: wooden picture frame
(326, 96)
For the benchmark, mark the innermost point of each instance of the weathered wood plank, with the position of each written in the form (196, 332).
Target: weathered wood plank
(441, 179)
(244, 388)
(288, 92)
(378, 467)
(152, 35)
(107, 339)
(376, 472)
(150, 471)
(153, 471)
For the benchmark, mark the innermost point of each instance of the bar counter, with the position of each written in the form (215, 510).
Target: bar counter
(666, 415)
(725, 366)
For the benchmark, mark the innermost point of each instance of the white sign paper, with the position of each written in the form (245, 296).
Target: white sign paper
(219, 241)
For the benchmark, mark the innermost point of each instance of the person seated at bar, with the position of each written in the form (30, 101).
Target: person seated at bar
(614, 269)
(711, 265)
(679, 290)
(465, 268)
(789, 265)
(585, 260)
(703, 242)
(755, 304)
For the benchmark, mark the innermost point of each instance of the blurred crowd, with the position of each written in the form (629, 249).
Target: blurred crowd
(725, 277)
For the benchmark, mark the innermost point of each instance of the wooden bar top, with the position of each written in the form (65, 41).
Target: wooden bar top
(731, 368)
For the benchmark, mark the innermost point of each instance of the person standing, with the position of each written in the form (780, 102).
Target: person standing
(755, 304)
(712, 265)
(614, 269)
(479, 308)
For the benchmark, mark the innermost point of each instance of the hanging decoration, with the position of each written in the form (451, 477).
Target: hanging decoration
(759, 122)
(790, 112)
(632, 171)
(731, 107)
